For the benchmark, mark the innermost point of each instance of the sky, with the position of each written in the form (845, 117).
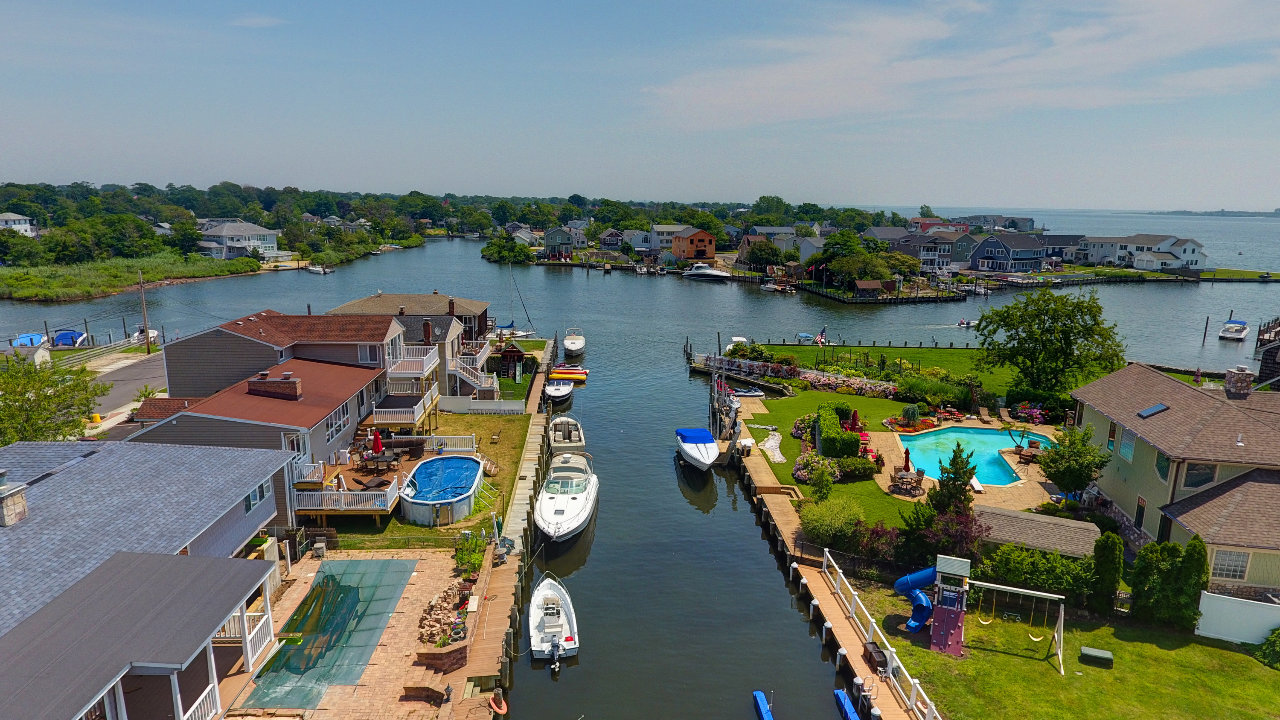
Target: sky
(1130, 104)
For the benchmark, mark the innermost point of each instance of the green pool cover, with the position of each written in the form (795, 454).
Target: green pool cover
(340, 621)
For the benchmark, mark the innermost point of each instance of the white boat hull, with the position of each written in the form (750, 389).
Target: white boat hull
(547, 629)
(575, 346)
(699, 455)
(567, 435)
(561, 513)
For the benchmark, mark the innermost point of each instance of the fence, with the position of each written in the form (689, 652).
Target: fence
(904, 686)
(84, 356)
(471, 406)
(1236, 619)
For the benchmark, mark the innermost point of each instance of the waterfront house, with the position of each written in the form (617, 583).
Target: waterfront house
(1061, 247)
(412, 308)
(924, 225)
(662, 236)
(1124, 251)
(694, 244)
(513, 227)
(559, 242)
(227, 238)
(960, 248)
(525, 237)
(578, 224)
(20, 224)
(744, 246)
(887, 234)
(1017, 224)
(638, 239)
(1008, 253)
(811, 246)
(1193, 461)
(611, 239)
(772, 231)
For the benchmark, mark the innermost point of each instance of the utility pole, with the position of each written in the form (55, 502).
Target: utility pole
(146, 329)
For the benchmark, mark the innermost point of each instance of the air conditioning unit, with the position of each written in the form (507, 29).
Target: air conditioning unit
(317, 549)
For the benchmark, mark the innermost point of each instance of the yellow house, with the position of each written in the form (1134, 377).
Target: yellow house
(1192, 461)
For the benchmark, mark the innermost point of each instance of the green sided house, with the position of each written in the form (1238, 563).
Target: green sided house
(1193, 461)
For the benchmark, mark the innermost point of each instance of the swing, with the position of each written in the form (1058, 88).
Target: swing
(993, 609)
(1043, 620)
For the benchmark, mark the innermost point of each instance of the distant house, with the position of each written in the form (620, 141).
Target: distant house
(811, 246)
(1061, 247)
(772, 231)
(886, 233)
(1008, 253)
(579, 238)
(662, 236)
(611, 239)
(733, 231)
(925, 225)
(309, 218)
(694, 244)
(960, 250)
(1124, 251)
(512, 227)
(638, 239)
(926, 249)
(525, 237)
(785, 241)
(991, 222)
(578, 224)
(1172, 253)
(20, 224)
(558, 241)
(227, 238)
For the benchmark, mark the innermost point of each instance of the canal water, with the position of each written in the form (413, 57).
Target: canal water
(682, 609)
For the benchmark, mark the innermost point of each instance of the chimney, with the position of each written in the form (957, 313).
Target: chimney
(286, 375)
(401, 309)
(426, 331)
(264, 374)
(1239, 382)
(451, 311)
(283, 388)
(13, 501)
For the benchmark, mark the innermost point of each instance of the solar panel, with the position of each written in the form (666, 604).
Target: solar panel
(1153, 410)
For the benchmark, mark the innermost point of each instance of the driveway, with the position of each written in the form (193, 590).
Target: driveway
(128, 380)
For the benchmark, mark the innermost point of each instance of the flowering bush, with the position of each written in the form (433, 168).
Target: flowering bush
(1030, 412)
(810, 461)
(803, 425)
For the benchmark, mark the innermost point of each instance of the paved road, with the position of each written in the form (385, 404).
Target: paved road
(127, 380)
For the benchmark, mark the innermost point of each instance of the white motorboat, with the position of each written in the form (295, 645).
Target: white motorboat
(567, 435)
(553, 626)
(703, 271)
(641, 270)
(697, 446)
(319, 270)
(568, 497)
(662, 270)
(736, 340)
(152, 335)
(574, 342)
(1234, 330)
(558, 390)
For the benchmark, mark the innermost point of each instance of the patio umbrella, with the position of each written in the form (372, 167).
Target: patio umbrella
(906, 459)
(377, 441)
(856, 423)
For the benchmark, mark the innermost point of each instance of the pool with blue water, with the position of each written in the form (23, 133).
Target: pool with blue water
(931, 450)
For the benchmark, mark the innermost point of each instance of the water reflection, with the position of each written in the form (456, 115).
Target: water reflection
(697, 486)
(562, 559)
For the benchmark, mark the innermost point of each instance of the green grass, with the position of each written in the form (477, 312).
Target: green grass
(515, 390)
(531, 345)
(105, 277)
(956, 361)
(1230, 273)
(1158, 673)
(876, 503)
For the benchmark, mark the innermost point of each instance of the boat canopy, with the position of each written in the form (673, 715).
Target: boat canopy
(1235, 322)
(695, 436)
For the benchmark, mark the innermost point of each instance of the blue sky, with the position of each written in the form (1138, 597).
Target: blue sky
(1134, 104)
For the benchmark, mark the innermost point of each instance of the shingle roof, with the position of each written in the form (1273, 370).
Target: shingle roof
(772, 229)
(88, 500)
(1020, 241)
(149, 609)
(325, 387)
(414, 304)
(1199, 424)
(1061, 240)
(885, 233)
(1243, 511)
(283, 330)
(13, 216)
(669, 228)
(155, 408)
(235, 229)
(1072, 538)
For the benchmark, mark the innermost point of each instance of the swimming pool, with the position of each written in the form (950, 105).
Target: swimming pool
(442, 490)
(931, 450)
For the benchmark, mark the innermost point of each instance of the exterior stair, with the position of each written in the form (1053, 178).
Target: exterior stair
(424, 683)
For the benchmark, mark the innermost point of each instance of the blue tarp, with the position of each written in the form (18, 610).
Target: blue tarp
(695, 435)
(67, 338)
(29, 340)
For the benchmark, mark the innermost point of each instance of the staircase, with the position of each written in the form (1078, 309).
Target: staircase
(424, 683)
(478, 380)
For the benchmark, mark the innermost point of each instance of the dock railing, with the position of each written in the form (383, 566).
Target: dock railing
(904, 686)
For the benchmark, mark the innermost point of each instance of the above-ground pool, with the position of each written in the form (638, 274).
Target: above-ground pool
(441, 490)
(931, 450)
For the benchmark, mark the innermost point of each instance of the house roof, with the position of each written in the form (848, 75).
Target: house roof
(1020, 241)
(1138, 239)
(669, 228)
(948, 235)
(868, 284)
(282, 330)
(236, 228)
(1158, 255)
(1061, 240)
(154, 409)
(1072, 538)
(1243, 511)
(885, 233)
(414, 304)
(1183, 242)
(13, 216)
(772, 229)
(325, 387)
(86, 501)
(134, 609)
(1201, 425)
(690, 231)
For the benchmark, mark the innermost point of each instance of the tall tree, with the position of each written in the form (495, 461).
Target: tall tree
(927, 212)
(1053, 342)
(1191, 580)
(185, 237)
(1073, 461)
(771, 205)
(953, 493)
(1108, 565)
(40, 401)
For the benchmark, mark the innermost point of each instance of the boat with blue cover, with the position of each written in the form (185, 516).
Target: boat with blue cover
(697, 446)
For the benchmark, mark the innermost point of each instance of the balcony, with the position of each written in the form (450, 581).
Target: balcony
(475, 353)
(362, 501)
(402, 409)
(417, 361)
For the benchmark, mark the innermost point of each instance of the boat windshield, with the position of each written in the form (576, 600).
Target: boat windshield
(562, 485)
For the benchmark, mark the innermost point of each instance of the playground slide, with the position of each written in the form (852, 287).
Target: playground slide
(922, 606)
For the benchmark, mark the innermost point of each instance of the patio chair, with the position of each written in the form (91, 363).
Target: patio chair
(1005, 416)
(375, 484)
(984, 415)
(416, 451)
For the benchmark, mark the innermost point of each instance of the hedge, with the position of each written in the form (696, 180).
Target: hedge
(830, 436)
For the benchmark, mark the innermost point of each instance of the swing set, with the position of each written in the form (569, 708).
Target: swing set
(1036, 596)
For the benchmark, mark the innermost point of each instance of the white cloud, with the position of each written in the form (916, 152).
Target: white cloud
(962, 59)
(257, 21)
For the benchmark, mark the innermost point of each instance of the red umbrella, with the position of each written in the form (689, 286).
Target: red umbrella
(906, 459)
(856, 423)
(377, 441)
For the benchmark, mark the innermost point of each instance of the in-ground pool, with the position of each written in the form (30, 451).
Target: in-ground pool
(441, 490)
(931, 450)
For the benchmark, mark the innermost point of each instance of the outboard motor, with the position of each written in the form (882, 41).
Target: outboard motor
(555, 656)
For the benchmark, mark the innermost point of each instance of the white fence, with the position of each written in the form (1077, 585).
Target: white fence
(204, 708)
(338, 500)
(470, 406)
(1235, 619)
(904, 686)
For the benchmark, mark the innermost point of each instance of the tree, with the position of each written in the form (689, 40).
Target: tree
(821, 482)
(764, 253)
(953, 493)
(1073, 461)
(503, 211)
(927, 212)
(1192, 578)
(770, 205)
(1108, 565)
(45, 402)
(901, 263)
(1053, 342)
(1154, 581)
(579, 201)
(803, 230)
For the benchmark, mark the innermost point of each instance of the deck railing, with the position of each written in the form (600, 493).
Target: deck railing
(206, 707)
(415, 361)
(259, 638)
(309, 472)
(904, 686)
(339, 500)
(475, 352)
(481, 380)
(408, 415)
(230, 629)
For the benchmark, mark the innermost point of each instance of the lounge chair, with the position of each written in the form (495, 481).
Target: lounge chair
(375, 484)
(984, 415)
(977, 486)
(1005, 416)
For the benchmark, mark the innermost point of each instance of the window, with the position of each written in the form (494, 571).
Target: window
(1127, 440)
(371, 354)
(257, 495)
(337, 421)
(1229, 565)
(360, 399)
(1111, 437)
(1162, 466)
(1199, 475)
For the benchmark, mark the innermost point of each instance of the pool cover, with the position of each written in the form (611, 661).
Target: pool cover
(445, 478)
(340, 621)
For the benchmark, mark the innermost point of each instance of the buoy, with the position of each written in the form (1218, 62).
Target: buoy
(496, 703)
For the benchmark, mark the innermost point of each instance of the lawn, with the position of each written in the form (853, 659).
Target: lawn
(955, 361)
(1158, 673)
(531, 345)
(357, 533)
(1231, 273)
(876, 503)
(513, 390)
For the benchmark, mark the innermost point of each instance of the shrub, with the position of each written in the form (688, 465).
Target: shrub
(1108, 565)
(803, 425)
(1054, 407)
(821, 480)
(1268, 653)
(830, 435)
(855, 469)
(832, 523)
(1039, 570)
(910, 414)
(1105, 523)
(808, 463)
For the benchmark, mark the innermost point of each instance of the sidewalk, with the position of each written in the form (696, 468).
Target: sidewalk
(115, 361)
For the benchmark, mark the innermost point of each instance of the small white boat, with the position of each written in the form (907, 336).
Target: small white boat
(736, 340)
(1234, 330)
(804, 339)
(553, 627)
(748, 392)
(574, 342)
(703, 271)
(769, 287)
(568, 497)
(558, 390)
(967, 323)
(152, 335)
(567, 435)
(697, 446)
(641, 270)
(319, 270)
(662, 270)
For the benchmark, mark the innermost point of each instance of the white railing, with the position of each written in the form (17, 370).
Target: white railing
(205, 708)
(452, 442)
(421, 351)
(259, 638)
(339, 500)
(415, 361)
(309, 472)
(480, 380)
(475, 352)
(230, 629)
(468, 406)
(404, 387)
(407, 415)
(905, 687)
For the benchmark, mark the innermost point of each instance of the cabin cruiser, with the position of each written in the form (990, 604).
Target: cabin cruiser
(703, 271)
(568, 497)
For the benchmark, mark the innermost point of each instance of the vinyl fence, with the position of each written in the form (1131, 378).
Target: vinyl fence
(1236, 620)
